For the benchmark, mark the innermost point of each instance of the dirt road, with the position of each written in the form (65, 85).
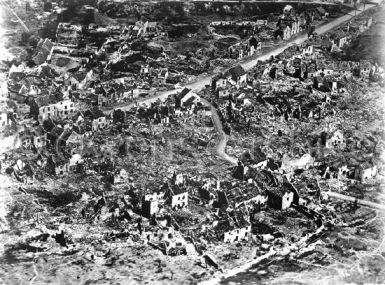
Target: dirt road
(223, 138)
(249, 62)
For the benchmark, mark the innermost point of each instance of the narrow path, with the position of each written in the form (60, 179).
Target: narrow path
(3, 3)
(355, 200)
(223, 138)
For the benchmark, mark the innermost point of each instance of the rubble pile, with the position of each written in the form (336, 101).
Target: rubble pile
(111, 163)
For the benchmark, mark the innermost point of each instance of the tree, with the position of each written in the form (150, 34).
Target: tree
(118, 116)
(355, 7)
(123, 149)
(253, 42)
(33, 109)
(315, 82)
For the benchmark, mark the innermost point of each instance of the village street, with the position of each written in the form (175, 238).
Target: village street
(247, 63)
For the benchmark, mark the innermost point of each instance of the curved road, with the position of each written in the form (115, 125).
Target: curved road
(247, 63)
(223, 138)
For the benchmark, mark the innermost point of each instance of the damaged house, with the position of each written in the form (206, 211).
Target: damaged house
(150, 206)
(4, 120)
(336, 140)
(185, 98)
(167, 239)
(237, 75)
(63, 109)
(101, 123)
(234, 229)
(218, 82)
(68, 35)
(342, 38)
(25, 139)
(287, 33)
(39, 137)
(151, 203)
(43, 51)
(346, 172)
(118, 176)
(178, 197)
(279, 198)
(47, 112)
(205, 195)
(57, 166)
(366, 171)
(345, 69)
(365, 68)
(74, 143)
(162, 76)
(252, 198)
(308, 49)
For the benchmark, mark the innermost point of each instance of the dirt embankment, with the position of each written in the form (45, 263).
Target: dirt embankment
(370, 45)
